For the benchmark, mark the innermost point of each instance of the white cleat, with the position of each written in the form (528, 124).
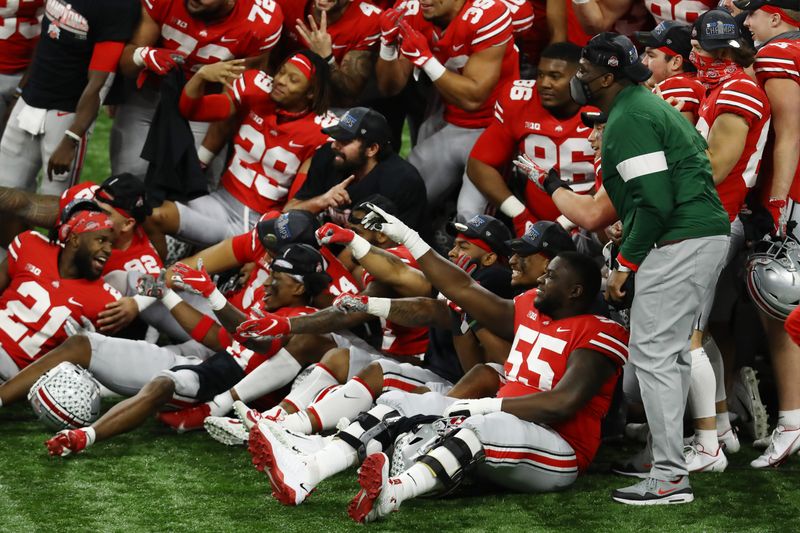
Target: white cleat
(376, 498)
(784, 443)
(699, 460)
(286, 467)
(753, 414)
(248, 416)
(729, 440)
(228, 431)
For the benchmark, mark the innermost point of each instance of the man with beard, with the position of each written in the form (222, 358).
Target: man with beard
(44, 283)
(360, 163)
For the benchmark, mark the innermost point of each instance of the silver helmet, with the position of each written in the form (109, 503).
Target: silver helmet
(66, 396)
(773, 277)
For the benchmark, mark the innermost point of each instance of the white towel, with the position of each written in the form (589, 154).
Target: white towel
(31, 119)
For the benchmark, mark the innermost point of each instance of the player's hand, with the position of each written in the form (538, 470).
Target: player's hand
(523, 222)
(72, 327)
(379, 220)
(777, 209)
(351, 303)
(677, 103)
(267, 327)
(330, 233)
(117, 315)
(158, 60)
(481, 406)
(224, 72)
(316, 36)
(62, 158)
(614, 290)
(152, 287)
(547, 180)
(189, 279)
(466, 263)
(390, 27)
(414, 46)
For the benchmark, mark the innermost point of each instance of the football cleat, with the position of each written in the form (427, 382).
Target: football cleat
(700, 460)
(249, 417)
(189, 419)
(286, 467)
(729, 440)
(66, 442)
(376, 498)
(784, 443)
(652, 491)
(748, 405)
(229, 431)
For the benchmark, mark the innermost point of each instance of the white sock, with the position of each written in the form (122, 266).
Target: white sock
(298, 422)
(271, 375)
(353, 398)
(90, 435)
(715, 357)
(723, 422)
(707, 438)
(317, 380)
(703, 385)
(336, 457)
(789, 419)
(221, 404)
(1, 402)
(416, 481)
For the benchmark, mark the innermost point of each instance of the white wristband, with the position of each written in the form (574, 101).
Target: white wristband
(566, 223)
(388, 53)
(171, 299)
(359, 247)
(623, 268)
(205, 155)
(379, 307)
(434, 69)
(74, 136)
(512, 207)
(217, 300)
(138, 55)
(143, 302)
(416, 245)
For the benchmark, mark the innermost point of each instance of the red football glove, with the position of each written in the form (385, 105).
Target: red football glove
(389, 26)
(466, 263)
(330, 233)
(160, 60)
(532, 170)
(522, 222)
(777, 208)
(351, 303)
(414, 46)
(267, 327)
(193, 280)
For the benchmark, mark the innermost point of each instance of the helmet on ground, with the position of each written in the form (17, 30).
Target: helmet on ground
(773, 277)
(66, 396)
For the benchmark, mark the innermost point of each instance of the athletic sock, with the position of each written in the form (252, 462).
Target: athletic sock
(299, 422)
(271, 375)
(707, 438)
(723, 422)
(90, 435)
(703, 385)
(789, 419)
(337, 456)
(317, 380)
(221, 404)
(353, 398)
(416, 481)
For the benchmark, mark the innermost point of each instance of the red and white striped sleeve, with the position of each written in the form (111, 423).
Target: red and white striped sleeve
(744, 98)
(778, 60)
(607, 338)
(492, 21)
(690, 90)
(522, 15)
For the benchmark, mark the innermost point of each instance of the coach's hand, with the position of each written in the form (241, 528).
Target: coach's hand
(474, 407)
(117, 315)
(62, 158)
(267, 327)
(616, 280)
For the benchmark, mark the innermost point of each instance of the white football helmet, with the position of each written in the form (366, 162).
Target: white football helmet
(773, 277)
(66, 396)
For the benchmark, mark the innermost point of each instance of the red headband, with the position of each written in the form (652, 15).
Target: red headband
(783, 14)
(304, 64)
(477, 242)
(669, 51)
(84, 222)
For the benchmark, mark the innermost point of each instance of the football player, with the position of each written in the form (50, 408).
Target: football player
(600, 15)
(282, 122)
(539, 119)
(19, 38)
(466, 49)
(187, 35)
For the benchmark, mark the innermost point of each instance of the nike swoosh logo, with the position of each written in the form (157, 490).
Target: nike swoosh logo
(274, 321)
(350, 397)
(561, 330)
(337, 46)
(457, 48)
(415, 53)
(293, 144)
(62, 113)
(662, 492)
(303, 486)
(580, 129)
(194, 279)
(74, 302)
(227, 40)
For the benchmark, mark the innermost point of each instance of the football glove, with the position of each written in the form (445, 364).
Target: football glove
(193, 280)
(158, 60)
(548, 181)
(474, 407)
(379, 220)
(72, 327)
(523, 222)
(777, 209)
(330, 233)
(390, 28)
(351, 303)
(153, 287)
(414, 46)
(265, 328)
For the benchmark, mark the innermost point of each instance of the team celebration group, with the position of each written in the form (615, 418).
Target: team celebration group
(595, 227)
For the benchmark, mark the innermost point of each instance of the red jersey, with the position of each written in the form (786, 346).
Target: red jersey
(250, 29)
(743, 97)
(479, 25)
(538, 360)
(20, 25)
(358, 28)
(38, 301)
(268, 150)
(684, 87)
(683, 11)
(400, 340)
(522, 15)
(780, 58)
(522, 125)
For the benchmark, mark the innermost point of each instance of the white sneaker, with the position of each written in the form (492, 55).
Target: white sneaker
(286, 467)
(784, 443)
(763, 444)
(376, 498)
(637, 432)
(229, 431)
(748, 404)
(729, 440)
(700, 460)
(248, 416)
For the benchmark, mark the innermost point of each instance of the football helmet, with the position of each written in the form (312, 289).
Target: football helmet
(65, 397)
(773, 277)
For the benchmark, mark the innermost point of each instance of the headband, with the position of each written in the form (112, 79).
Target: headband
(783, 14)
(477, 242)
(84, 222)
(303, 64)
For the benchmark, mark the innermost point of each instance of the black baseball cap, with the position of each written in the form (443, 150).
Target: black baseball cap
(291, 227)
(304, 263)
(127, 193)
(485, 228)
(716, 29)
(545, 237)
(363, 123)
(592, 118)
(616, 53)
(668, 34)
(752, 5)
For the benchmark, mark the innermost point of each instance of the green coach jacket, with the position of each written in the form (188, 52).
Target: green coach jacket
(657, 174)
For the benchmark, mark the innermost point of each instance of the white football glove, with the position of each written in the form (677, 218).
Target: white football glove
(72, 327)
(481, 406)
(379, 220)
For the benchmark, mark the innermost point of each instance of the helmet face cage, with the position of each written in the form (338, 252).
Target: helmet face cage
(65, 397)
(773, 278)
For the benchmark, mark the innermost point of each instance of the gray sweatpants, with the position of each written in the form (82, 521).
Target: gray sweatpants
(8, 88)
(670, 284)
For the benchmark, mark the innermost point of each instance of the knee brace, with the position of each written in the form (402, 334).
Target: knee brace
(372, 431)
(187, 383)
(458, 451)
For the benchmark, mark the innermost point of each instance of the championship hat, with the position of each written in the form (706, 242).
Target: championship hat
(544, 237)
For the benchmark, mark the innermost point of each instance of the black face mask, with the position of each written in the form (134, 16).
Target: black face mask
(580, 91)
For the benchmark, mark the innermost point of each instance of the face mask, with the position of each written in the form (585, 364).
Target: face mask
(712, 71)
(579, 91)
